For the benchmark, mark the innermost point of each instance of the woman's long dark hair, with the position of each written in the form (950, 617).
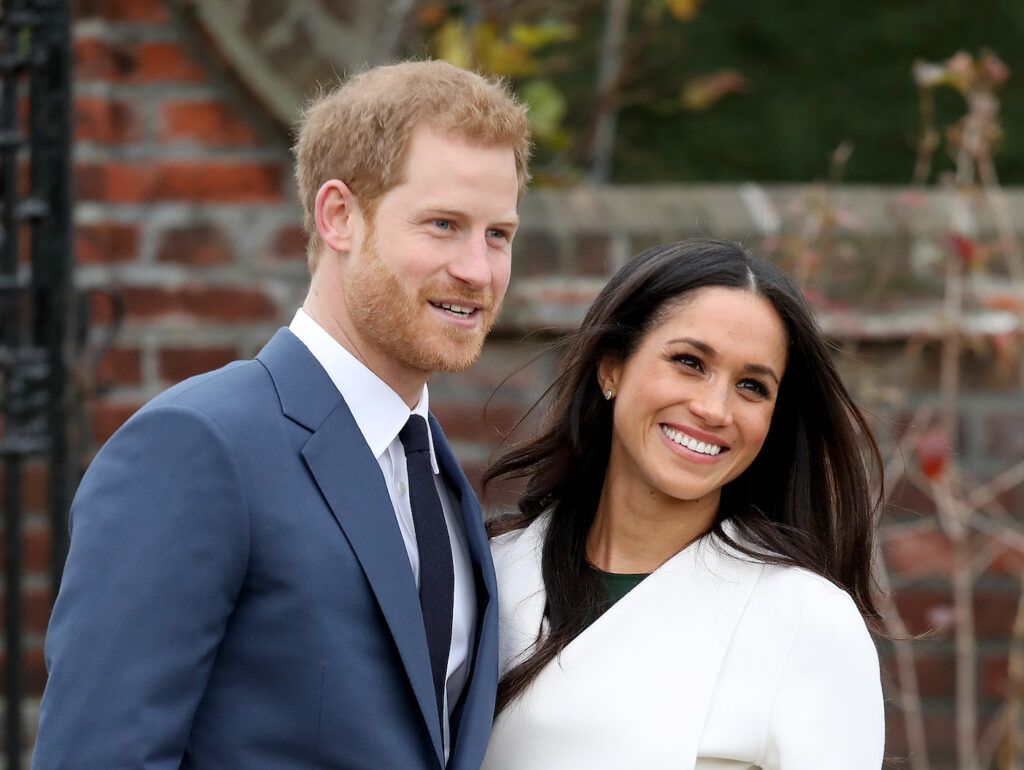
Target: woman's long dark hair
(805, 499)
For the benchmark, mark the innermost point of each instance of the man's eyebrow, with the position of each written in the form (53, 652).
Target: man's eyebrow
(512, 220)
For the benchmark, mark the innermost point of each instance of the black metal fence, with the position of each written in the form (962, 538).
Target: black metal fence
(35, 285)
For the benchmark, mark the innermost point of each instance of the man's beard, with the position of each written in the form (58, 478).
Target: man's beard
(397, 321)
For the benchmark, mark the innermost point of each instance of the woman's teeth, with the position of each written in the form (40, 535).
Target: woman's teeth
(689, 442)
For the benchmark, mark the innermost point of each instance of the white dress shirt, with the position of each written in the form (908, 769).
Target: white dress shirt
(381, 414)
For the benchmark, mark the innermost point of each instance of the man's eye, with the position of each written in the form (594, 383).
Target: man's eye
(499, 234)
(443, 224)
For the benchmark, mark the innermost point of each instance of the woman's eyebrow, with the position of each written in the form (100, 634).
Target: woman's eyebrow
(709, 350)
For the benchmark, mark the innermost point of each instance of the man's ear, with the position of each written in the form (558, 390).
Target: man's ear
(609, 368)
(336, 213)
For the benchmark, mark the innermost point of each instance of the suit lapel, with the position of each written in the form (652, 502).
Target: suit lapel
(350, 480)
(478, 696)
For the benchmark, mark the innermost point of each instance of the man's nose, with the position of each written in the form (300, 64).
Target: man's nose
(471, 265)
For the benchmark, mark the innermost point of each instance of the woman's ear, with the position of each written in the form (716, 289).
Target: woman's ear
(609, 368)
(336, 212)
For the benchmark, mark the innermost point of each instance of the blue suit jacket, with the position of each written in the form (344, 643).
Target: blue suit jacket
(237, 593)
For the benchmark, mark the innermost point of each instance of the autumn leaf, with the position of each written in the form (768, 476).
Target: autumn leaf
(933, 453)
(701, 92)
(546, 106)
(684, 10)
(453, 45)
(431, 14)
(534, 36)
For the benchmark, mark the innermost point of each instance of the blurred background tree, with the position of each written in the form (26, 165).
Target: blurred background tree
(698, 88)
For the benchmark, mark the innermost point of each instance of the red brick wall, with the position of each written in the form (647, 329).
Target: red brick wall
(187, 210)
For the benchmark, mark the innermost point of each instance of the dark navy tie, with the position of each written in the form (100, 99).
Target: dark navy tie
(437, 575)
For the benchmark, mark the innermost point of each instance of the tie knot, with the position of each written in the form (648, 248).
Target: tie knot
(414, 435)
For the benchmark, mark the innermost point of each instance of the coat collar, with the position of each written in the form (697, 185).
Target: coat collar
(661, 645)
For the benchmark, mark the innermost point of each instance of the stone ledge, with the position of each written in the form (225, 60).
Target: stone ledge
(743, 211)
(557, 304)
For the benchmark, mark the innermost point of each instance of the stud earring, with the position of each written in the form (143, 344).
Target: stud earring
(608, 395)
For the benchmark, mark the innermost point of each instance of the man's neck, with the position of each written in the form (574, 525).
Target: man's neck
(407, 384)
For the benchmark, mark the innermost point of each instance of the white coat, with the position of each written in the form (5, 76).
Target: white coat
(713, 662)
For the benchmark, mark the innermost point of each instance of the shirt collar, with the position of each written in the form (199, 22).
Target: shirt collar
(379, 412)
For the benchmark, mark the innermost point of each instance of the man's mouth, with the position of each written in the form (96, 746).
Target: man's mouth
(459, 311)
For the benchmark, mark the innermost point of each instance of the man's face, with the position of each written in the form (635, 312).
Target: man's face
(426, 282)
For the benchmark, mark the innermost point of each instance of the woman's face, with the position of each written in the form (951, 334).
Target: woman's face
(693, 403)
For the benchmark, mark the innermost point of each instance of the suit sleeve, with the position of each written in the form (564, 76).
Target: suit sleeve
(828, 709)
(159, 545)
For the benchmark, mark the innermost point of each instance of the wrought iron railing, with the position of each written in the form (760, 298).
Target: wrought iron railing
(35, 281)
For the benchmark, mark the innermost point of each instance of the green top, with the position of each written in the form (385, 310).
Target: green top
(617, 584)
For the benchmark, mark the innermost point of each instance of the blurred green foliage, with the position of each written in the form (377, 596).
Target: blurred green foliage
(821, 72)
(731, 90)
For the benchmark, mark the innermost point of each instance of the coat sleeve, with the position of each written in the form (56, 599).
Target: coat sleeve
(828, 709)
(159, 544)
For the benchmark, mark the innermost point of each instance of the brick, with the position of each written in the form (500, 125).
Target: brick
(919, 553)
(925, 610)
(33, 671)
(593, 254)
(907, 496)
(35, 486)
(161, 61)
(108, 416)
(196, 245)
(106, 242)
(35, 607)
(196, 181)
(96, 60)
(290, 244)
(138, 11)
(994, 613)
(207, 122)
(534, 254)
(106, 120)
(35, 548)
(120, 366)
(1009, 561)
(148, 62)
(34, 663)
(177, 364)
(472, 423)
(940, 734)
(1004, 434)
(198, 301)
(995, 677)
(936, 675)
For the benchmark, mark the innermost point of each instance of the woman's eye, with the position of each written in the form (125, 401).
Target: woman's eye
(689, 361)
(754, 387)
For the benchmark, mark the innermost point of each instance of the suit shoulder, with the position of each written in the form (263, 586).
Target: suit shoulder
(240, 386)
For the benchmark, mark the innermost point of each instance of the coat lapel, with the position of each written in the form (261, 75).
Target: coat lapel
(647, 668)
(350, 481)
(478, 697)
